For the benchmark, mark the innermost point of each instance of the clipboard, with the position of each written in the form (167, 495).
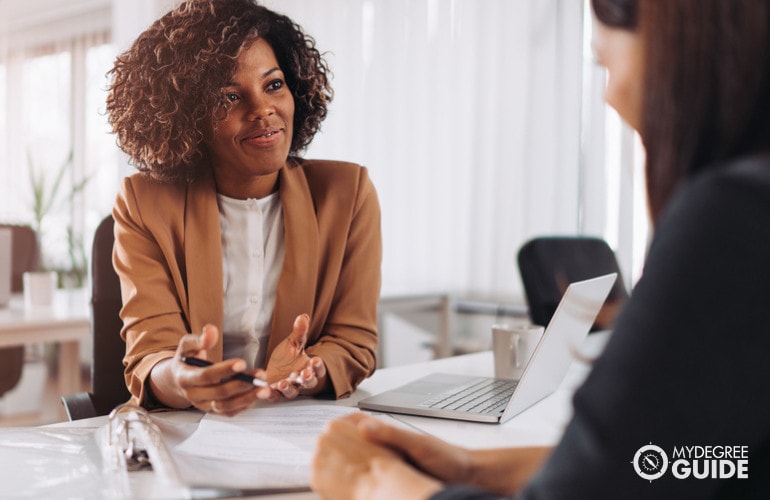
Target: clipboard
(139, 464)
(135, 459)
(126, 458)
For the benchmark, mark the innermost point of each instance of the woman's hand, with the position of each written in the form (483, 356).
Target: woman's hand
(347, 465)
(290, 370)
(211, 388)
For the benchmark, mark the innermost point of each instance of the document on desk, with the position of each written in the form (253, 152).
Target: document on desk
(267, 447)
(279, 435)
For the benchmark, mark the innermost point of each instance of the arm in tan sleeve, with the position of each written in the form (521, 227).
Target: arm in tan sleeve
(151, 281)
(349, 338)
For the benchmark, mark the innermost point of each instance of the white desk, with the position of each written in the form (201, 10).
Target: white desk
(542, 424)
(67, 322)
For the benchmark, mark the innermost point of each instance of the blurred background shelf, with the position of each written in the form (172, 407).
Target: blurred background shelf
(421, 327)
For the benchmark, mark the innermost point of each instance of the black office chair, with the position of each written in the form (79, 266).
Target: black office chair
(25, 256)
(548, 264)
(108, 387)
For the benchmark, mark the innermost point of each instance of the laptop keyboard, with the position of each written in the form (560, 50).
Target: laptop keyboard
(482, 396)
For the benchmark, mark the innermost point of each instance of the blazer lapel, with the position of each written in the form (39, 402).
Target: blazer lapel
(203, 259)
(297, 285)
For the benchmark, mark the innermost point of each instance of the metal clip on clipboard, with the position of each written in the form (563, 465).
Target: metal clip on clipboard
(137, 463)
(136, 458)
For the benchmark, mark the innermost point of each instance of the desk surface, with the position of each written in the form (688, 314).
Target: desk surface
(542, 424)
(69, 314)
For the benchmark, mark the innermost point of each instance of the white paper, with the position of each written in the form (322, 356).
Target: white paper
(278, 435)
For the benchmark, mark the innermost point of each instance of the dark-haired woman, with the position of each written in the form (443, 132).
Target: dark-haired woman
(686, 367)
(229, 246)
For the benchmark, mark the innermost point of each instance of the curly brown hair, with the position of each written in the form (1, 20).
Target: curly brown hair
(166, 90)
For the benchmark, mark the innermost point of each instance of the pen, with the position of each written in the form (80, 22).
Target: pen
(189, 360)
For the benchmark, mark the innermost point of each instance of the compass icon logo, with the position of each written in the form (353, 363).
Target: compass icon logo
(650, 462)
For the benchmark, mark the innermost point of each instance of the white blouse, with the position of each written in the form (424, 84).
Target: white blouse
(252, 260)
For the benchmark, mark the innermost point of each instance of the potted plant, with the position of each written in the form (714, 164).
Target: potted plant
(52, 194)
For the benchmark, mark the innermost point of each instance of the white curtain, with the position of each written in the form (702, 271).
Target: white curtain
(468, 115)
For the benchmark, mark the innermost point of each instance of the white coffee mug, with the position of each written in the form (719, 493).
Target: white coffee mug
(39, 289)
(513, 346)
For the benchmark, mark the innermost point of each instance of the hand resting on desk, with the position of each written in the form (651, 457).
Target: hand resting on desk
(382, 461)
(289, 370)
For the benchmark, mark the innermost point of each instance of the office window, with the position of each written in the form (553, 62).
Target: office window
(45, 118)
(3, 125)
(52, 111)
(45, 146)
(101, 152)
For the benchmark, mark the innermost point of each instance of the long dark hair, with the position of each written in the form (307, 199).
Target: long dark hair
(617, 13)
(706, 94)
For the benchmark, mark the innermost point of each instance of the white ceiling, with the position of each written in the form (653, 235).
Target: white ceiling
(18, 15)
(31, 23)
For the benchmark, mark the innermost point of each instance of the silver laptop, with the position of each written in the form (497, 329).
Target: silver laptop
(486, 399)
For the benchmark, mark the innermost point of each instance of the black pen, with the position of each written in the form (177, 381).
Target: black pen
(189, 360)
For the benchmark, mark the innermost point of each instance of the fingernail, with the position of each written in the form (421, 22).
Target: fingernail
(239, 365)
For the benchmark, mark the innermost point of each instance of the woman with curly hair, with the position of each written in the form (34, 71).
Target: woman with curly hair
(229, 246)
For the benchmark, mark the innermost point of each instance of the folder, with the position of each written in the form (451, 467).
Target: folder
(126, 458)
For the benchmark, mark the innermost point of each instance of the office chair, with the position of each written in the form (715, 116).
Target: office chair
(25, 256)
(108, 387)
(548, 264)
(25, 253)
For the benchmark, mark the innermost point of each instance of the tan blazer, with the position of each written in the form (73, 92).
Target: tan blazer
(168, 255)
